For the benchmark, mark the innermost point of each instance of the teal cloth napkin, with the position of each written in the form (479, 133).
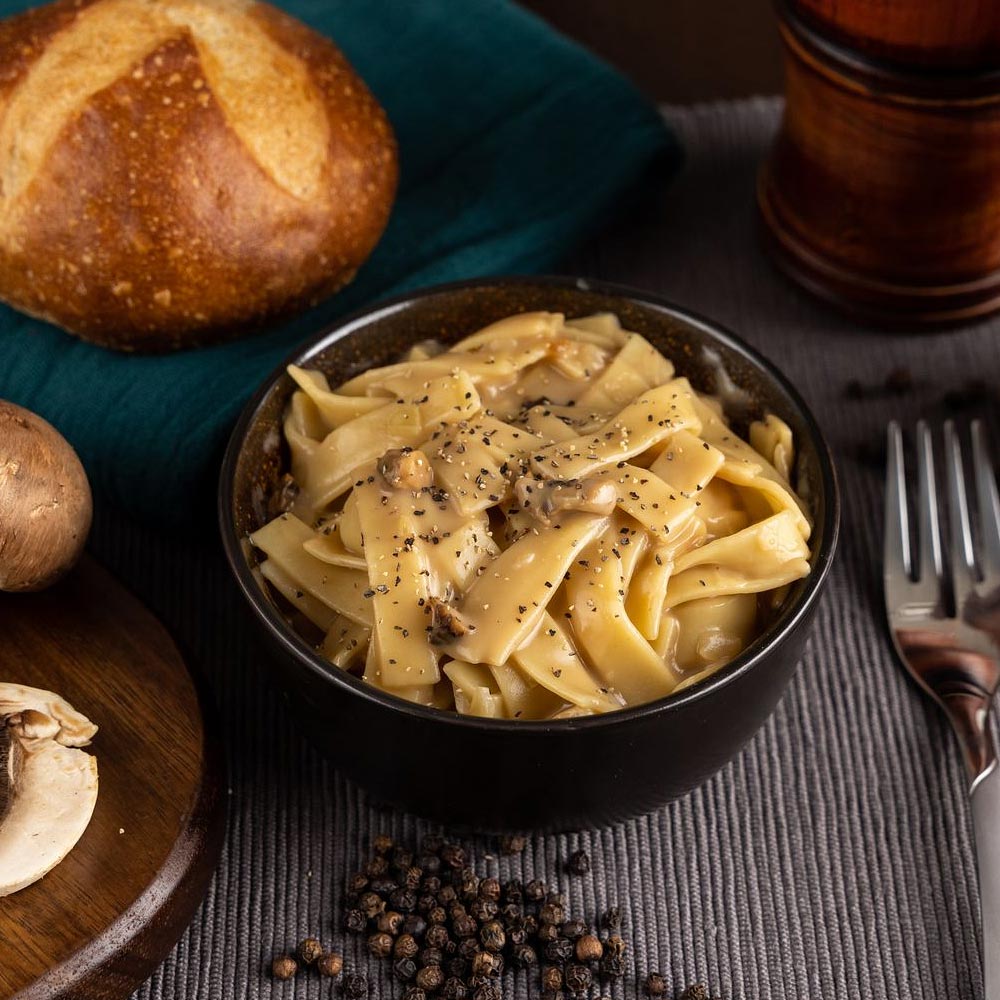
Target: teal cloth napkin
(514, 143)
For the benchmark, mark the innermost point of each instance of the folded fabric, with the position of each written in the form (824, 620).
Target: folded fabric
(514, 143)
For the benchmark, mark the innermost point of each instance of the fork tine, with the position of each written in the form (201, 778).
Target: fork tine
(988, 502)
(896, 540)
(963, 558)
(929, 524)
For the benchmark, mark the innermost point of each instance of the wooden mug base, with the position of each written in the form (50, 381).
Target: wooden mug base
(867, 298)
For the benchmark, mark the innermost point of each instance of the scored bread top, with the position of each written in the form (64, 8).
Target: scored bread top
(173, 168)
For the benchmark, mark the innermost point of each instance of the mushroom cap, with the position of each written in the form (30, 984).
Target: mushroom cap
(45, 501)
(52, 798)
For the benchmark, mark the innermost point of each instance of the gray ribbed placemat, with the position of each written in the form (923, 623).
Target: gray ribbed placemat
(831, 860)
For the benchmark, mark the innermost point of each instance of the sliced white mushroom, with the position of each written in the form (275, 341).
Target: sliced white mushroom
(11, 761)
(48, 785)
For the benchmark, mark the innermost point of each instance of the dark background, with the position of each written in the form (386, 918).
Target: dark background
(678, 50)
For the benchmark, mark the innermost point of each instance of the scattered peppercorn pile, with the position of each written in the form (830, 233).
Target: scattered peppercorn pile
(449, 934)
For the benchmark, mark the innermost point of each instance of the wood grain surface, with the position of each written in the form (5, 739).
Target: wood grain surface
(97, 925)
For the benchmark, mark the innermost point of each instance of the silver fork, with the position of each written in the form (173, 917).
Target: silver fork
(953, 650)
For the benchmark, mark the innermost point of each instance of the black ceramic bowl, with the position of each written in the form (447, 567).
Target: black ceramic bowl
(492, 775)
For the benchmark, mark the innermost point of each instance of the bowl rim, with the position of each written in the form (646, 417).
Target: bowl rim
(743, 664)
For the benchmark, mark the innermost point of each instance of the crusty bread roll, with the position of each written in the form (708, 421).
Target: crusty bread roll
(176, 171)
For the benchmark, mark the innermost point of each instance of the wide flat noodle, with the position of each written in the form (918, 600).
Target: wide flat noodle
(603, 631)
(542, 522)
(283, 542)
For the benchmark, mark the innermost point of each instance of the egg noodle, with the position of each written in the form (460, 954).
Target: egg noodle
(542, 521)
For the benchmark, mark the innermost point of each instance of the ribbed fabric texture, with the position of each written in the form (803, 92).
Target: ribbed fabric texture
(832, 860)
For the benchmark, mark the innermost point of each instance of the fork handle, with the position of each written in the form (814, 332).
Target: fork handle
(986, 821)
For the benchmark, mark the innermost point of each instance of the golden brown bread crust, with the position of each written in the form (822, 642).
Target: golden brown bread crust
(208, 165)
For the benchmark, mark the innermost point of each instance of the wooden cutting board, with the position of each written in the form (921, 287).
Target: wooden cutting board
(98, 925)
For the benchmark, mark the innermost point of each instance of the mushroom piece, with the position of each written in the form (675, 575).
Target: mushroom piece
(405, 469)
(48, 785)
(11, 761)
(546, 498)
(45, 502)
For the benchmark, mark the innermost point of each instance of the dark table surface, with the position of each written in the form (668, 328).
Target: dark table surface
(832, 860)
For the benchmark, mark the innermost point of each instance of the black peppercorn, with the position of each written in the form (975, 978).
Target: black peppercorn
(431, 884)
(488, 991)
(453, 856)
(552, 978)
(534, 891)
(613, 962)
(578, 978)
(696, 992)
(524, 956)
(531, 924)
(464, 926)
(578, 863)
(411, 877)
(612, 919)
(380, 945)
(354, 986)
(415, 924)
(468, 885)
(556, 898)
(357, 883)
(406, 946)
(383, 885)
(511, 913)
(371, 904)
(426, 903)
(483, 964)
(430, 978)
(489, 888)
(517, 935)
(588, 949)
(574, 929)
(309, 950)
(431, 843)
(547, 932)
(377, 866)
(551, 913)
(329, 964)
(402, 859)
(453, 989)
(437, 915)
(483, 910)
(430, 956)
(355, 921)
(446, 894)
(404, 900)
(284, 967)
(655, 985)
(390, 922)
(513, 891)
(414, 993)
(430, 863)
(468, 947)
(457, 910)
(560, 950)
(436, 936)
(458, 967)
(493, 937)
(382, 844)
(513, 844)
(404, 969)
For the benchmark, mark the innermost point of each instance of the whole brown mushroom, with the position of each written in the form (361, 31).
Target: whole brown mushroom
(45, 502)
